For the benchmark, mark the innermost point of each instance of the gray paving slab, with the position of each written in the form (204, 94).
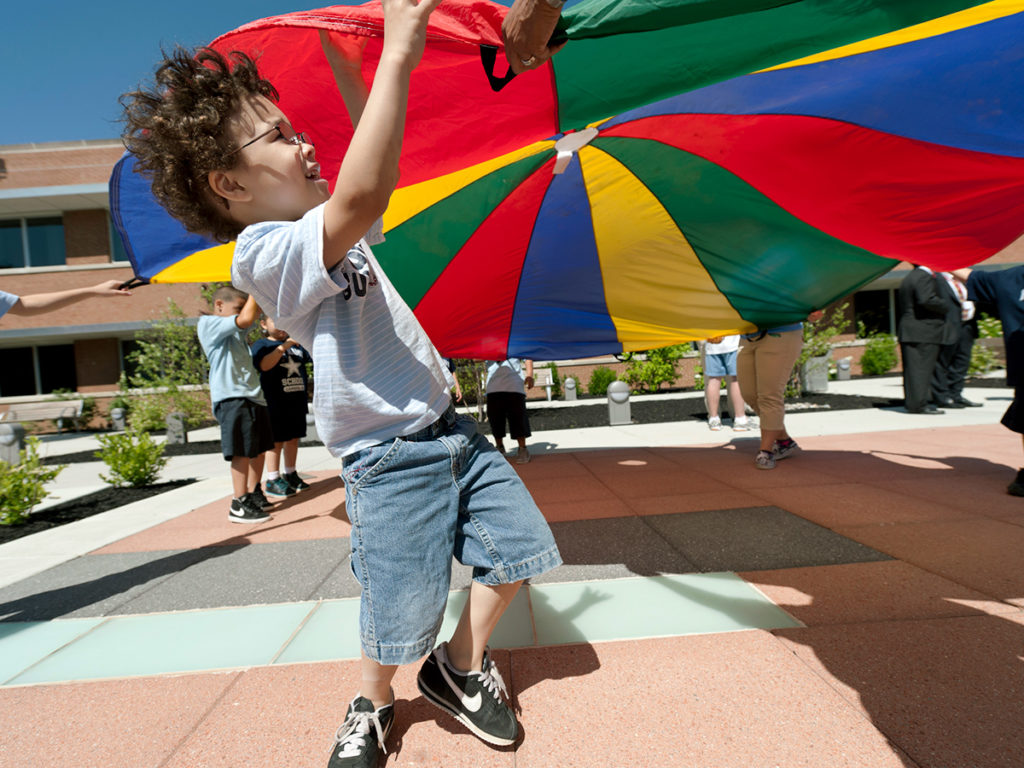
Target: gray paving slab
(252, 574)
(613, 548)
(757, 538)
(96, 585)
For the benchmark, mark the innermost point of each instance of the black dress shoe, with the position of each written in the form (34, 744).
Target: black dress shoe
(950, 403)
(963, 402)
(927, 409)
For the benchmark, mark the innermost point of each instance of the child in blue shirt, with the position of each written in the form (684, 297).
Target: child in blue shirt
(238, 402)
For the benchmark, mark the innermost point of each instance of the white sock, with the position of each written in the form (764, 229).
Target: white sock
(273, 475)
(289, 470)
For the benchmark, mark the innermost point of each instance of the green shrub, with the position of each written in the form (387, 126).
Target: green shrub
(983, 360)
(133, 457)
(879, 355)
(658, 367)
(556, 381)
(148, 412)
(21, 485)
(600, 378)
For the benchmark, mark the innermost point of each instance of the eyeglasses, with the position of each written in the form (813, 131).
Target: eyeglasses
(285, 131)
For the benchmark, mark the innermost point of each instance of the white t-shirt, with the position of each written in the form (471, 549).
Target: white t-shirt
(728, 344)
(506, 376)
(378, 376)
(7, 300)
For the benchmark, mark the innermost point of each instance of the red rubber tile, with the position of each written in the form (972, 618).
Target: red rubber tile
(731, 700)
(125, 723)
(979, 553)
(855, 504)
(288, 715)
(728, 498)
(864, 592)
(317, 513)
(950, 692)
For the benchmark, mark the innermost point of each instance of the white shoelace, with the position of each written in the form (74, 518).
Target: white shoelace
(492, 681)
(351, 736)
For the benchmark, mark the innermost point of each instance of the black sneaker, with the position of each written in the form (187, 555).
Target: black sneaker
(279, 487)
(259, 499)
(359, 742)
(1016, 488)
(296, 482)
(245, 510)
(474, 699)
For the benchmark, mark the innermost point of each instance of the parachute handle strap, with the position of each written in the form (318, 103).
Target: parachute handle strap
(135, 282)
(489, 57)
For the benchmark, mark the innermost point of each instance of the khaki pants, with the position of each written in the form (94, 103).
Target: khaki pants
(763, 368)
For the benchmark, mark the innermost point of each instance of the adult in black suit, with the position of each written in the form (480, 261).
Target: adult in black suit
(930, 318)
(955, 359)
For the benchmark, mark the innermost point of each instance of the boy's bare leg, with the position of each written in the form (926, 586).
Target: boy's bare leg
(274, 458)
(713, 394)
(480, 616)
(736, 399)
(376, 684)
(291, 453)
(255, 474)
(239, 476)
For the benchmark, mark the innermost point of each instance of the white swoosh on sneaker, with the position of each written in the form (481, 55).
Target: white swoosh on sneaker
(472, 703)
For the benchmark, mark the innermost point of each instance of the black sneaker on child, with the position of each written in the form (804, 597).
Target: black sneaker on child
(259, 499)
(1016, 488)
(295, 481)
(359, 742)
(475, 699)
(245, 510)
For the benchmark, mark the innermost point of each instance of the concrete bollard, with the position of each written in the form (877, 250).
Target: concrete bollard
(843, 369)
(569, 388)
(176, 433)
(12, 443)
(118, 419)
(618, 404)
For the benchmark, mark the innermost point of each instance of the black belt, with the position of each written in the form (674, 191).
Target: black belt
(435, 430)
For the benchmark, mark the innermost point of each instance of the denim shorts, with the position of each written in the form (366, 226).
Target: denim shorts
(416, 502)
(720, 365)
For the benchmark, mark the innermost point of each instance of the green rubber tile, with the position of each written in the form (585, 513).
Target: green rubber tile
(332, 632)
(173, 642)
(515, 630)
(23, 643)
(656, 606)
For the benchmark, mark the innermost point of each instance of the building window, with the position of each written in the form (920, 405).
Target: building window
(38, 370)
(36, 242)
(12, 252)
(18, 373)
(117, 250)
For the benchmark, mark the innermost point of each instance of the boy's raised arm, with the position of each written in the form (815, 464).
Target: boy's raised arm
(369, 171)
(250, 313)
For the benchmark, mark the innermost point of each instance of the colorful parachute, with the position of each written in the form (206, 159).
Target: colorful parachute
(679, 170)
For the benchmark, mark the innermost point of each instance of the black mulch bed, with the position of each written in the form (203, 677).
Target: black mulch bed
(85, 506)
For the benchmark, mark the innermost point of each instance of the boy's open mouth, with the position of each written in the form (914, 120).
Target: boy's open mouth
(314, 173)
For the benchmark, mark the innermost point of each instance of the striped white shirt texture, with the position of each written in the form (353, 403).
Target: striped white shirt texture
(7, 300)
(376, 374)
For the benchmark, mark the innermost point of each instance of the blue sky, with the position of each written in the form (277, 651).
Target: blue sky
(65, 63)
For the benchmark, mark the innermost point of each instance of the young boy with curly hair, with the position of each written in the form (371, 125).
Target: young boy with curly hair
(421, 485)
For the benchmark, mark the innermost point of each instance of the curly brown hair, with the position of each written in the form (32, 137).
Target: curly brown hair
(177, 131)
